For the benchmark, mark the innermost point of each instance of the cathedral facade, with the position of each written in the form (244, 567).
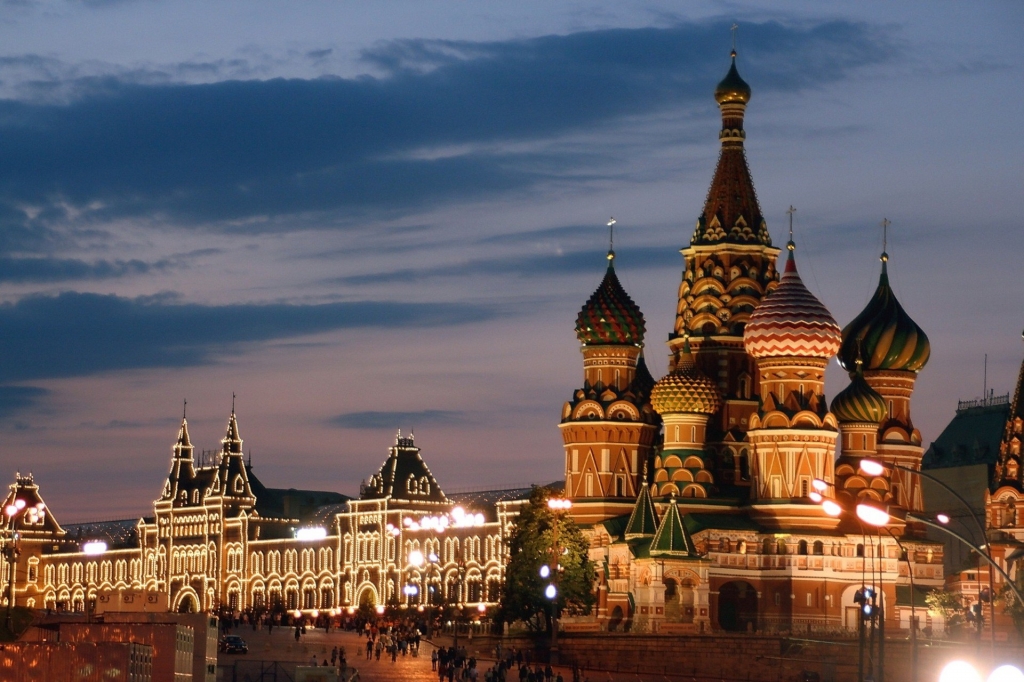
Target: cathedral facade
(695, 489)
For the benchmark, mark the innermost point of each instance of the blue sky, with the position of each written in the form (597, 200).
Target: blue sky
(366, 216)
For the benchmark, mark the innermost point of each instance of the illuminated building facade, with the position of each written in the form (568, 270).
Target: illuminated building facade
(695, 489)
(219, 539)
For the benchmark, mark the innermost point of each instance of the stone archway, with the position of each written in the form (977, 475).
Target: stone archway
(737, 607)
(615, 621)
(187, 602)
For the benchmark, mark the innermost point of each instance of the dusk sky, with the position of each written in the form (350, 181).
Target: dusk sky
(365, 216)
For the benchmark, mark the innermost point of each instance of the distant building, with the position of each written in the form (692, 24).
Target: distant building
(964, 457)
(220, 540)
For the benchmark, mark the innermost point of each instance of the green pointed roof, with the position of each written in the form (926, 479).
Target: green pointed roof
(643, 522)
(671, 540)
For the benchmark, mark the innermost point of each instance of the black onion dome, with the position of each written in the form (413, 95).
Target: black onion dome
(732, 88)
(884, 336)
(610, 317)
(859, 403)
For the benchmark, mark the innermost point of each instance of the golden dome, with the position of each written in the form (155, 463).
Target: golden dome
(732, 88)
(686, 390)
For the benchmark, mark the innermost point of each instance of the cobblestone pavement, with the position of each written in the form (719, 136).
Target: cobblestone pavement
(282, 647)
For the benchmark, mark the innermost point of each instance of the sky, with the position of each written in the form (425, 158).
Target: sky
(364, 216)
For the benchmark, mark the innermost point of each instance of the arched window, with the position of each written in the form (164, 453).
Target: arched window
(766, 546)
(801, 548)
(860, 550)
(819, 548)
(780, 546)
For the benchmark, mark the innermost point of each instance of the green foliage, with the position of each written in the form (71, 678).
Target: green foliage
(1012, 606)
(949, 605)
(531, 545)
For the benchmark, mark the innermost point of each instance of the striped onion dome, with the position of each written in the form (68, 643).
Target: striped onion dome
(791, 322)
(883, 335)
(859, 403)
(686, 390)
(610, 317)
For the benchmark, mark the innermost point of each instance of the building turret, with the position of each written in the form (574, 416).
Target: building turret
(685, 398)
(232, 479)
(859, 409)
(728, 267)
(893, 350)
(608, 427)
(182, 472)
(792, 336)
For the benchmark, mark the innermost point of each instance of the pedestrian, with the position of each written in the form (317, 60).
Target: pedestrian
(433, 660)
(312, 661)
(334, 655)
(296, 634)
(369, 649)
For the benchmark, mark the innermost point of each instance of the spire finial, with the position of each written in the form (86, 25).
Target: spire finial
(232, 402)
(184, 410)
(611, 239)
(790, 245)
(735, 27)
(885, 239)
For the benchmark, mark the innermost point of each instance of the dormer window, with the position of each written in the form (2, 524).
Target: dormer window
(195, 496)
(239, 485)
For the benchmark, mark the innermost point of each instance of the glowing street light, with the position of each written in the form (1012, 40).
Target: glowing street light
(481, 607)
(551, 592)
(942, 518)
(94, 548)
(545, 571)
(815, 497)
(831, 508)
(1006, 673)
(380, 609)
(819, 485)
(873, 515)
(959, 671)
(416, 558)
(559, 504)
(310, 534)
(871, 467)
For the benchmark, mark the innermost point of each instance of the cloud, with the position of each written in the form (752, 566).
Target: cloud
(15, 399)
(525, 265)
(77, 334)
(49, 269)
(397, 419)
(438, 123)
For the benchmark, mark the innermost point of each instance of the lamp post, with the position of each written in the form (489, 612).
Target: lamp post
(913, 607)
(873, 467)
(558, 506)
(11, 551)
(92, 548)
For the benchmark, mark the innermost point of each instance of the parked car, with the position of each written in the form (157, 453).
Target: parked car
(233, 644)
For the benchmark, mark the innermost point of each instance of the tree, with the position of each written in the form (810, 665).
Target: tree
(1012, 606)
(949, 605)
(531, 545)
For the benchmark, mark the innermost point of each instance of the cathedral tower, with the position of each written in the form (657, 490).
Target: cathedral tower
(793, 435)
(890, 348)
(729, 267)
(608, 427)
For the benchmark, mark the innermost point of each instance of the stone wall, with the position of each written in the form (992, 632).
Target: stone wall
(757, 658)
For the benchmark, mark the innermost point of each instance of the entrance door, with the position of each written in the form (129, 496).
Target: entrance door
(852, 616)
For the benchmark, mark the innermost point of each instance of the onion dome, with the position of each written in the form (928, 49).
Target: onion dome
(686, 389)
(732, 88)
(883, 335)
(610, 317)
(791, 322)
(858, 402)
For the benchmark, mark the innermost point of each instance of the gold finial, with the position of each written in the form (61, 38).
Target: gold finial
(611, 239)
(885, 239)
(790, 245)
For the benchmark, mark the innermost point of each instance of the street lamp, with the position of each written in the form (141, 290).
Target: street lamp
(873, 467)
(558, 506)
(91, 548)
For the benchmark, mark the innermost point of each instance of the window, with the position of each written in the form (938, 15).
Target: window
(805, 487)
(809, 599)
(780, 546)
(776, 487)
(802, 547)
(778, 599)
(819, 548)
(590, 485)
(620, 486)
(860, 550)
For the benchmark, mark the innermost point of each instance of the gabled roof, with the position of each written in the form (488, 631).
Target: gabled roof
(404, 476)
(643, 521)
(671, 541)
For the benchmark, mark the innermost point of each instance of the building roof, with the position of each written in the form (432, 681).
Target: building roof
(859, 403)
(731, 213)
(118, 534)
(686, 389)
(404, 476)
(883, 335)
(643, 522)
(610, 317)
(971, 437)
(671, 540)
(791, 321)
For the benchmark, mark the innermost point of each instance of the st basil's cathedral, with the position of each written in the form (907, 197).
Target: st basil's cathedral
(695, 488)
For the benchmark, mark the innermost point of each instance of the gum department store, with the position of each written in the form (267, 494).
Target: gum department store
(693, 489)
